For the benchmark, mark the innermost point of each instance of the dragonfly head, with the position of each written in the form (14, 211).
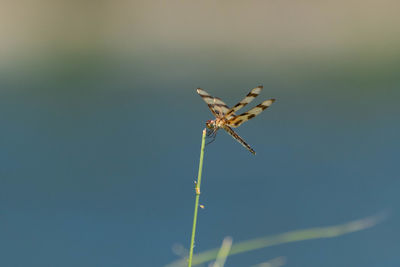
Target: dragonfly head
(210, 124)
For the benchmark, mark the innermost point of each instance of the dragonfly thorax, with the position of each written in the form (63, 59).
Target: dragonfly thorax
(217, 123)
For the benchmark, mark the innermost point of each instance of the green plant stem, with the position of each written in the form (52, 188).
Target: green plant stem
(223, 252)
(197, 190)
(289, 237)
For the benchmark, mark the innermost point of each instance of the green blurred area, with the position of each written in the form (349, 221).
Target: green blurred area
(184, 39)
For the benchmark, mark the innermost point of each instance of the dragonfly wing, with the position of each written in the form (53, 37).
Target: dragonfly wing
(215, 104)
(236, 121)
(249, 97)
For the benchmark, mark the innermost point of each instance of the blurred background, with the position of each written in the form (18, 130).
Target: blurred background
(101, 128)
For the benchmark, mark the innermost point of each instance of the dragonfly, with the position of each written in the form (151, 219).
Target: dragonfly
(225, 117)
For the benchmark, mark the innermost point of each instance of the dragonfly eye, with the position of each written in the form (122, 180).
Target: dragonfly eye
(210, 124)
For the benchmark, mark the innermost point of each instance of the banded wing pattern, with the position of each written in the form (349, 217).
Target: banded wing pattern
(220, 106)
(215, 104)
(236, 121)
(249, 97)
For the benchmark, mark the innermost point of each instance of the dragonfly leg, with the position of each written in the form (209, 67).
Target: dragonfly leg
(209, 132)
(213, 135)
